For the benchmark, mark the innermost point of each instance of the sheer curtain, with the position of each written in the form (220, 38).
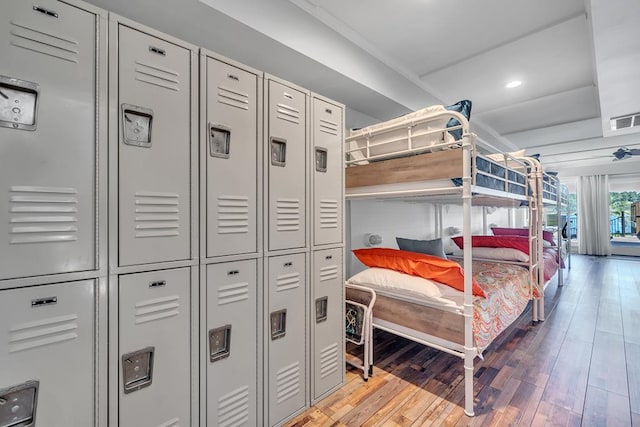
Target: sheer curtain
(593, 215)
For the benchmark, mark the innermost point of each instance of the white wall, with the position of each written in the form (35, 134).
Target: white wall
(413, 220)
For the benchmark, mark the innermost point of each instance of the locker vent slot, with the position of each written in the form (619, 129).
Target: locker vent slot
(328, 214)
(157, 309)
(50, 44)
(329, 360)
(174, 422)
(233, 98)
(43, 214)
(288, 382)
(285, 282)
(288, 113)
(40, 333)
(233, 408)
(288, 214)
(229, 294)
(329, 127)
(157, 214)
(157, 76)
(329, 273)
(233, 214)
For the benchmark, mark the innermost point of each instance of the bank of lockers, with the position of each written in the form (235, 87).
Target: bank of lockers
(286, 155)
(327, 165)
(47, 355)
(286, 336)
(230, 147)
(154, 100)
(48, 138)
(327, 322)
(154, 348)
(231, 351)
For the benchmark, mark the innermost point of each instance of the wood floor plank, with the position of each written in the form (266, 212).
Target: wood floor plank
(608, 369)
(602, 407)
(633, 375)
(610, 316)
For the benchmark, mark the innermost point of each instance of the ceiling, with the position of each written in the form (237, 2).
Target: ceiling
(578, 60)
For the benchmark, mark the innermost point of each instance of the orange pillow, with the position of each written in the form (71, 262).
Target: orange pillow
(427, 266)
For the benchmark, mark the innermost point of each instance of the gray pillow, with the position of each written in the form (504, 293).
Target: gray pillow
(429, 247)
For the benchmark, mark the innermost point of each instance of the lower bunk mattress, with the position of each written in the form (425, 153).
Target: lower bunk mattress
(435, 309)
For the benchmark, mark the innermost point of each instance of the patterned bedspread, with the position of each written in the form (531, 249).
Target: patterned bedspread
(507, 289)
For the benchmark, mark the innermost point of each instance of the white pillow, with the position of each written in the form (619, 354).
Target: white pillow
(498, 254)
(389, 280)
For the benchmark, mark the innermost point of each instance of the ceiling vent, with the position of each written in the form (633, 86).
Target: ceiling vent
(624, 122)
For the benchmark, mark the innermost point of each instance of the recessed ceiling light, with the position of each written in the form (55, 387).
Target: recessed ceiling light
(513, 84)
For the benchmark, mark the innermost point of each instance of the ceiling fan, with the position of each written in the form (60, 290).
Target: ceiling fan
(625, 153)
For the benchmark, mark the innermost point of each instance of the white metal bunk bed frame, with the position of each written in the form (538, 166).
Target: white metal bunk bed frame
(466, 191)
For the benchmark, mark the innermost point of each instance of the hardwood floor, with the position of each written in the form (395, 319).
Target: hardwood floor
(579, 367)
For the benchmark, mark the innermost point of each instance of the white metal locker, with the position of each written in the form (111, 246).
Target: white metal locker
(327, 165)
(286, 334)
(48, 138)
(154, 143)
(232, 340)
(327, 321)
(286, 153)
(155, 348)
(231, 150)
(47, 370)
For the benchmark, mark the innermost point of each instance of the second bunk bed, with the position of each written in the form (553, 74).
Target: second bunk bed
(432, 155)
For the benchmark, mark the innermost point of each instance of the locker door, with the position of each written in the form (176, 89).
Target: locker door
(47, 139)
(286, 150)
(232, 169)
(327, 321)
(154, 348)
(232, 338)
(47, 335)
(327, 167)
(287, 336)
(154, 113)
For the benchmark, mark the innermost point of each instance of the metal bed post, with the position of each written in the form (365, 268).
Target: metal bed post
(469, 352)
(540, 242)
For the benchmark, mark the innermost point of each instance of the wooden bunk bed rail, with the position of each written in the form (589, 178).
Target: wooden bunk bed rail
(424, 167)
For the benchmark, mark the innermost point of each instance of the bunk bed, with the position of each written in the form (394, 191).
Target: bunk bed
(432, 154)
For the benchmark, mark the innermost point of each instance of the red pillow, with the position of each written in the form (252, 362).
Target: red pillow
(504, 231)
(516, 242)
(426, 266)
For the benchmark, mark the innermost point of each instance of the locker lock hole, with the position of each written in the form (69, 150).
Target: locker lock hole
(278, 324)
(18, 103)
(18, 404)
(137, 369)
(219, 343)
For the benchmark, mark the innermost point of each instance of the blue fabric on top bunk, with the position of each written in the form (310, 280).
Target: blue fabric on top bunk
(463, 107)
(496, 180)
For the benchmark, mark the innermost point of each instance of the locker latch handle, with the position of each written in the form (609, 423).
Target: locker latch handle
(278, 324)
(18, 103)
(321, 159)
(137, 369)
(278, 151)
(137, 123)
(18, 404)
(219, 343)
(321, 309)
(219, 141)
